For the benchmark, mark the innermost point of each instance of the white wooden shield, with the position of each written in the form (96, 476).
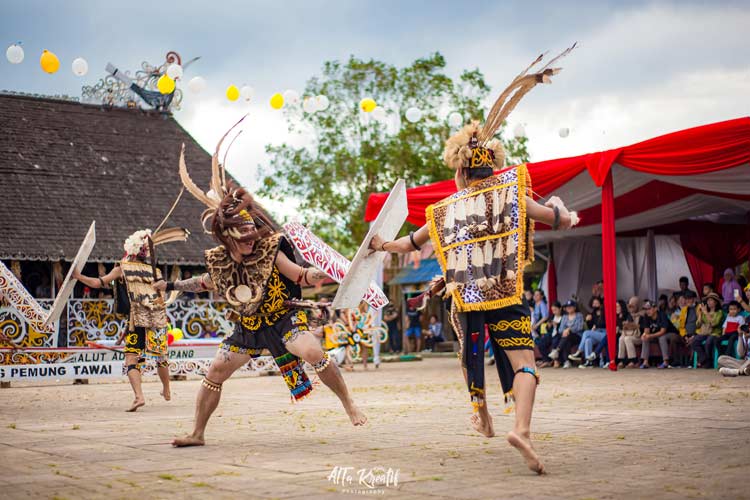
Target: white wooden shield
(67, 287)
(364, 265)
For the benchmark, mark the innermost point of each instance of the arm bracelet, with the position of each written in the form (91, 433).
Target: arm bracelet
(556, 223)
(413, 243)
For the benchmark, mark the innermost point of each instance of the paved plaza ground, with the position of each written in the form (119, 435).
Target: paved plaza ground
(634, 434)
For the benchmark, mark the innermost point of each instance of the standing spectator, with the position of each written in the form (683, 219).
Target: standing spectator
(391, 317)
(742, 281)
(571, 327)
(729, 286)
(414, 332)
(595, 333)
(709, 321)
(549, 337)
(731, 327)
(540, 312)
(731, 367)
(708, 288)
(656, 326)
(684, 282)
(630, 335)
(434, 333)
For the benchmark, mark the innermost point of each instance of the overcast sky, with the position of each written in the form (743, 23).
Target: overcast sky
(642, 69)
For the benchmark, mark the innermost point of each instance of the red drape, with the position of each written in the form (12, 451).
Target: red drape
(693, 151)
(721, 246)
(551, 277)
(609, 267)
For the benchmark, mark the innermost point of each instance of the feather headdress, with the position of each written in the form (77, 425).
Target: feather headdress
(227, 206)
(475, 145)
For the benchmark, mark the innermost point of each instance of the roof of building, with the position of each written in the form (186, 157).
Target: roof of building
(428, 269)
(64, 164)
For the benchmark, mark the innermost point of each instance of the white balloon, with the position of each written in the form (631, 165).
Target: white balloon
(309, 105)
(519, 131)
(564, 132)
(197, 84)
(14, 54)
(80, 66)
(455, 119)
(174, 71)
(378, 113)
(247, 92)
(413, 114)
(291, 97)
(322, 102)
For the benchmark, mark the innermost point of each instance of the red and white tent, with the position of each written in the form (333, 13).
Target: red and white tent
(685, 182)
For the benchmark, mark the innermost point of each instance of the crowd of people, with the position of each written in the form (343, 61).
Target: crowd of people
(681, 329)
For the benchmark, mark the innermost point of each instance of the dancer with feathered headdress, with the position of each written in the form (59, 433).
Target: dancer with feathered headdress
(254, 269)
(482, 237)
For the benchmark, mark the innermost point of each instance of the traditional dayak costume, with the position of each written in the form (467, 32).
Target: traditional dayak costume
(483, 239)
(136, 297)
(252, 284)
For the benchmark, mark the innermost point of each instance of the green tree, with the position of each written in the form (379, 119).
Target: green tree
(350, 154)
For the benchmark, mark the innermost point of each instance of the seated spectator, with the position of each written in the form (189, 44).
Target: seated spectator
(672, 305)
(731, 327)
(571, 327)
(630, 335)
(709, 320)
(656, 326)
(730, 287)
(732, 367)
(529, 296)
(549, 337)
(595, 333)
(539, 313)
(744, 302)
(663, 303)
(622, 316)
(414, 332)
(434, 333)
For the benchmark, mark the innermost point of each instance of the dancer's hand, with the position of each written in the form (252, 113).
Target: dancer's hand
(160, 286)
(76, 275)
(566, 221)
(376, 244)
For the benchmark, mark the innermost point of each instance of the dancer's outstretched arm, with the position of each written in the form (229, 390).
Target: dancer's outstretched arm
(101, 281)
(202, 283)
(413, 241)
(298, 274)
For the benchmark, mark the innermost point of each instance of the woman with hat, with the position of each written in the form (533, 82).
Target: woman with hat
(710, 318)
(571, 327)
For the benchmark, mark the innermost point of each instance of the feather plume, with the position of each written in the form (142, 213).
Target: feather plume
(190, 185)
(217, 175)
(170, 235)
(449, 224)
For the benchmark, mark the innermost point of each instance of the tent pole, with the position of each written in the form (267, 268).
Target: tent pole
(609, 267)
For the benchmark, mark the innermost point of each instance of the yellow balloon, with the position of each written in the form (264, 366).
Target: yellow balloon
(177, 334)
(367, 104)
(233, 93)
(165, 84)
(277, 101)
(49, 62)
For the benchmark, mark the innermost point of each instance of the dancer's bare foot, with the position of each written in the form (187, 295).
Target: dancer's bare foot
(137, 403)
(524, 446)
(166, 394)
(482, 425)
(188, 440)
(355, 415)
